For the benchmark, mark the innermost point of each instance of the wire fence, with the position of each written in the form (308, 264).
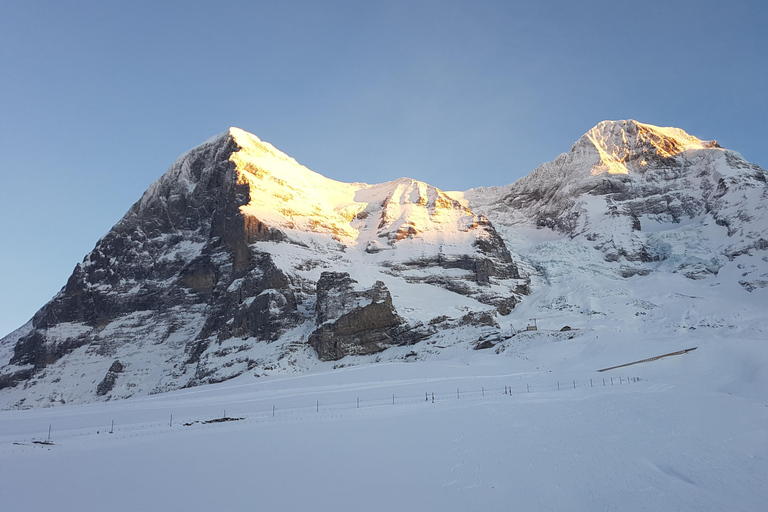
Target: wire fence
(395, 399)
(258, 410)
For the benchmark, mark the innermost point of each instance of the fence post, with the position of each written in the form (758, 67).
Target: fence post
(111, 429)
(611, 381)
(528, 387)
(603, 381)
(433, 397)
(358, 402)
(273, 411)
(318, 406)
(426, 396)
(393, 399)
(590, 382)
(171, 423)
(49, 432)
(574, 384)
(558, 385)
(483, 390)
(457, 393)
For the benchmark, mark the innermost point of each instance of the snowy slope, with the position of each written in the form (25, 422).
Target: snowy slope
(684, 433)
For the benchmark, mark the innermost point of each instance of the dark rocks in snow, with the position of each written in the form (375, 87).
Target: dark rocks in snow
(483, 345)
(34, 349)
(8, 380)
(750, 286)
(481, 271)
(479, 319)
(356, 322)
(626, 271)
(106, 385)
(261, 303)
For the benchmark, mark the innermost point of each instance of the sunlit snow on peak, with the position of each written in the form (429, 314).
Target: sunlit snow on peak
(626, 145)
(287, 196)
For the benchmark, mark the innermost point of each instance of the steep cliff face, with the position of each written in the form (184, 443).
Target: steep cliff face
(226, 263)
(642, 195)
(175, 255)
(352, 321)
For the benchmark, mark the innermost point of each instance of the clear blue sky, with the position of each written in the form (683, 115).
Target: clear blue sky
(98, 98)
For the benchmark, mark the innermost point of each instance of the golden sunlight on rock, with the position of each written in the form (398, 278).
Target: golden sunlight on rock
(624, 145)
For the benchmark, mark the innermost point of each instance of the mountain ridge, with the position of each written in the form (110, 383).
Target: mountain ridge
(239, 260)
(578, 195)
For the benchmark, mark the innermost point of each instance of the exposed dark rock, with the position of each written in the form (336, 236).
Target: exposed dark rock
(504, 305)
(9, 380)
(133, 268)
(106, 385)
(482, 270)
(633, 271)
(200, 275)
(484, 345)
(352, 322)
(751, 286)
(479, 318)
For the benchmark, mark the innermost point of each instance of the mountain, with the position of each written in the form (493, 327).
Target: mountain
(240, 261)
(648, 198)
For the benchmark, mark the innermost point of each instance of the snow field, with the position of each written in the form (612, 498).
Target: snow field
(691, 434)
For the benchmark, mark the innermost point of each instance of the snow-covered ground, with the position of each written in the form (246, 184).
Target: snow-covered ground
(688, 432)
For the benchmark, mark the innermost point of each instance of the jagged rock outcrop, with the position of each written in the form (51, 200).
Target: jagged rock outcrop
(353, 321)
(106, 385)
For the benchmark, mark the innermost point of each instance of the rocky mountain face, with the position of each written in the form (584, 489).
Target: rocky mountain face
(646, 197)
(238, 258)
(241, 261)
(351, 321)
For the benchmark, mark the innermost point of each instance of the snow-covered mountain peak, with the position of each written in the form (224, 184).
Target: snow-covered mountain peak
(305, 205)
(237, 247)
(259, 150)
(627, 145)
(646, 197)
